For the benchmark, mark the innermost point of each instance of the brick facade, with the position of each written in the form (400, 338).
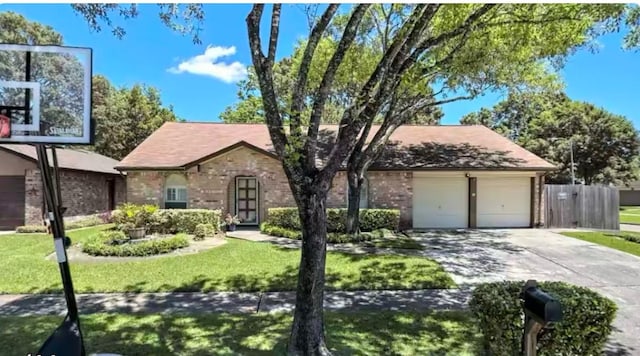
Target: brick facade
(83, 193)
(211, 185)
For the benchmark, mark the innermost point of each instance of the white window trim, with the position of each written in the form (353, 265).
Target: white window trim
(257, 199)
(176, 187)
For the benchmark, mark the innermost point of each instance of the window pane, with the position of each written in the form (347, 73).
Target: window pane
(252, 183)
(242, 215)
(242, 194)
(242, 183)
(182, 194)
(252, 204)
(252, 194)
(242, 204)
(251, 217)
(171, 194)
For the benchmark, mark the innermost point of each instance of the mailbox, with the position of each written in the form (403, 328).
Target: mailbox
(540, 311)
(540, 306)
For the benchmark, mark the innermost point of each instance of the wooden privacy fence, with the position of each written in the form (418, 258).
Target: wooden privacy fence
(587, 206)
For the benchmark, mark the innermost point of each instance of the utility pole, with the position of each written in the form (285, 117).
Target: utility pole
(573, 176)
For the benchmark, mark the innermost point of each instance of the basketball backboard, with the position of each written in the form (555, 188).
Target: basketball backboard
(45, 94)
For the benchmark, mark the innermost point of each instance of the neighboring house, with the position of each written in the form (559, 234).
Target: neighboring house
(438, 176)
(88, 182)
(630, 194)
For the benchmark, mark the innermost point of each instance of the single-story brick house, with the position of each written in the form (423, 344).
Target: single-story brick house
(88, 181)
(438, 176)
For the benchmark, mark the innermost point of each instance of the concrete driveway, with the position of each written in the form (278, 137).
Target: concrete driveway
(519, 254)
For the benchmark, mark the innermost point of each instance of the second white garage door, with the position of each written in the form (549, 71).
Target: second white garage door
(440, 202)
(503, 202)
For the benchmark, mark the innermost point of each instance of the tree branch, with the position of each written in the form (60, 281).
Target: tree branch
(273, 38)
(264, 72)
(322, 92)
(299, 89)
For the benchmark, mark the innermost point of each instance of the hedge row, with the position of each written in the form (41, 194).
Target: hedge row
(586, 324)
(93, 220)
(332, 237)
(165, 221)
(106, 244)
(370, 219)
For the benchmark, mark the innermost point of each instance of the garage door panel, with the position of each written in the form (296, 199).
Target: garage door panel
(440, 202)
(504, 202)
(11, 202)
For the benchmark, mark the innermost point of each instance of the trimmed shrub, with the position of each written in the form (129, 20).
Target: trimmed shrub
(30, 229)
(203, 230)
(280, 231)
(370, 219)
(165, 221)
(106, 244)
(586, 324)
(374, 219)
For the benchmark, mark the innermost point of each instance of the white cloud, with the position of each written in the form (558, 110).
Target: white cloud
(208, 64)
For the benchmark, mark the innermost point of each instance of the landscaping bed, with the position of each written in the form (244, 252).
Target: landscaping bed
(235, 266)
(349, 333)
(115, 243)
(624, 241)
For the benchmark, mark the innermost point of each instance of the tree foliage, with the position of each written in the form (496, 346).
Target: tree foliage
(126, 116)
(605, 146)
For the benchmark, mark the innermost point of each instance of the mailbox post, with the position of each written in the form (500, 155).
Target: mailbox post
(540, 311)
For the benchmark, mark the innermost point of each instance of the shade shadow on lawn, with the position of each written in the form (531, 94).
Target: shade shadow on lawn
(372, 333)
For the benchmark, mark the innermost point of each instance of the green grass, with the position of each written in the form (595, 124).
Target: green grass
(371, 333)
(613, 240)
(399, 241)
(630, 215)
(236, 266)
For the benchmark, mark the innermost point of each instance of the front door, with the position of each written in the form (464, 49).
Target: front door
(247, 200)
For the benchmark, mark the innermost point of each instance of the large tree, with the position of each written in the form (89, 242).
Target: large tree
(463, 49)
(550, 124)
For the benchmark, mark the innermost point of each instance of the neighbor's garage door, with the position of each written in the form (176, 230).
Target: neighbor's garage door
(440, 202)
(11, 202)
(503, 202)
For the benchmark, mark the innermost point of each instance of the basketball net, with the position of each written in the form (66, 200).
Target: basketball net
(5, 127)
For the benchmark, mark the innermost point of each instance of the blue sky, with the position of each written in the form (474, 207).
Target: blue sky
(152, 54)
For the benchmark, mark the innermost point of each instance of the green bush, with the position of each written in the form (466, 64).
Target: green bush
(370, 219)
(29, 229)
(280, 231)
(203, 230)
(165, 221)
(586, 324)
(104, 244)
(629, 237)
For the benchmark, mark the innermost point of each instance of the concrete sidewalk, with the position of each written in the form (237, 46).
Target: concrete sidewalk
(54, 304)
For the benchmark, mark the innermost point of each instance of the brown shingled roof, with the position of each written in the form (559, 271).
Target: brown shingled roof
(76, 159)
(179, 145)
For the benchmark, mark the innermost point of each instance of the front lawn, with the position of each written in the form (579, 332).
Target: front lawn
(630, 215)
(371, 333)
(609, 239)
(237, 266)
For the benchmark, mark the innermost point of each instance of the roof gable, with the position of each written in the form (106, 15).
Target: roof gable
(80, 160)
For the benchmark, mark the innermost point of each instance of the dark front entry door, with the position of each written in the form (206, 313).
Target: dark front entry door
(111, 190)
(247, 200)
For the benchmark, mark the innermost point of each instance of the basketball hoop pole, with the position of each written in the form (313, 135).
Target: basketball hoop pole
(54, 212)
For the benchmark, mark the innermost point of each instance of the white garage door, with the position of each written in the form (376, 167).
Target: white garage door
(503, 202)
(440, 202)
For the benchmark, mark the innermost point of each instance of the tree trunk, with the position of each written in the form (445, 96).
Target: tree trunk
(307, 333)
(353, 206)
